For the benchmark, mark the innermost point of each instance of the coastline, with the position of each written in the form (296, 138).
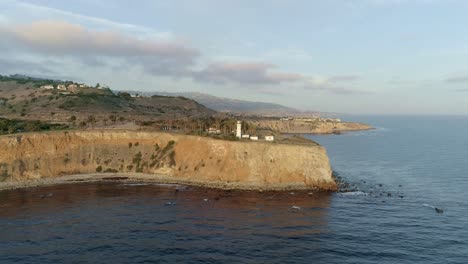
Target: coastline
(148, 179)
(35, 159)
(306, 127)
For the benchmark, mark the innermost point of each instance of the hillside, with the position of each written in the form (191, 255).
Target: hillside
(31, 99)
(236, 106)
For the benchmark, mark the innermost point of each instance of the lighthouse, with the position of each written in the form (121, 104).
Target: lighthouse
(239, 129)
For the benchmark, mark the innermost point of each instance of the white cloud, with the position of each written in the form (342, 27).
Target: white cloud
(56, 38)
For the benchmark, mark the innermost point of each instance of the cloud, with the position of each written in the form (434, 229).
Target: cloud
(160, 57)
(457, 79)
(343, 78)
(23, 11)
(245, 73)
(13, 66)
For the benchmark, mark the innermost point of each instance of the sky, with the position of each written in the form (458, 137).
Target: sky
(347, 56)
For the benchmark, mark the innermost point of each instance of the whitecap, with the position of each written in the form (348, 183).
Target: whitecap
(354, 193)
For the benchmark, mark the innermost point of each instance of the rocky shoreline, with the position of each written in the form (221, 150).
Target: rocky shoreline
(138, 178)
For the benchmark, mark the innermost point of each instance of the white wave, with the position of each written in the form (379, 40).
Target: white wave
(428, 205)
(354, 193)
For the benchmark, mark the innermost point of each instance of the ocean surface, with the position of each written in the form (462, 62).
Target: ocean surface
(401, 172)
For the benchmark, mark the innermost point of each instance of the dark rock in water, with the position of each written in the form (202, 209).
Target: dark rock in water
(389, 194)
(401, 196)
(439, 210)
(400, 185)
(380, 185)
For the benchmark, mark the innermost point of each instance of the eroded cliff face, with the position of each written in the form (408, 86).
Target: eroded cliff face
(254, 165)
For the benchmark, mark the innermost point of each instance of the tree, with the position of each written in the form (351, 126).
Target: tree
(91, 120)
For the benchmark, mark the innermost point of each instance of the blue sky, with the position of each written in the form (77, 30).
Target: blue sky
(361, 56)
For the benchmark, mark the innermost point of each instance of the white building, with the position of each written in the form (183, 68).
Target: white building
(269, 138)
(246, 136)
(47, 87)
(239, 129)
(213, 130)
(253, 138)
(61, 87)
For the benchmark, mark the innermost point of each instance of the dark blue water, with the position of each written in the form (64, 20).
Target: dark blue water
(401, 170)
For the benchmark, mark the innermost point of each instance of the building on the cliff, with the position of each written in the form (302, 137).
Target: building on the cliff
(254, 138)
(61, 87)
(239, 129)
(213, 130)
(246, 136)
(269, 138)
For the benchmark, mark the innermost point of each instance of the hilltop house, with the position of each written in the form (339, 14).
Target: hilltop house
(269, 138)
(47, 87)
(61, 87)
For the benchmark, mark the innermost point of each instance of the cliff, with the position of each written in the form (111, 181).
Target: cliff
(180, 158)
(304, 127)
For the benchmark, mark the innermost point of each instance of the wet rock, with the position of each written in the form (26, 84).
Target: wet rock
(439, 210)
(294, 207)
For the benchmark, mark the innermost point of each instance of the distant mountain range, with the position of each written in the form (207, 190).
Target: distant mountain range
(235, 106)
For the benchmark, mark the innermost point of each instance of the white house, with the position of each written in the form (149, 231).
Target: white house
(246, 136)
(61, 87)
(253, 138)
(47, 87)
(83, 86)
(269, 138)
(213, 130)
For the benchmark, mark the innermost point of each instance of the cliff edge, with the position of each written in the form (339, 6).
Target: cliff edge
(181, 158)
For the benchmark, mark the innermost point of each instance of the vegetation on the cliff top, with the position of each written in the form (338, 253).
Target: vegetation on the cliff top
(12, 126)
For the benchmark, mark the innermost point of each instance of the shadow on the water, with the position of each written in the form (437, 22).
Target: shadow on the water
(202, 207)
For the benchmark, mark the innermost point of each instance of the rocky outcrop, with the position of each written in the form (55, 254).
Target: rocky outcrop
(247, 165)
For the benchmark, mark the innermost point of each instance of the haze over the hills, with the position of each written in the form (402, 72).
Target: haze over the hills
(236, 106)
(368, 56)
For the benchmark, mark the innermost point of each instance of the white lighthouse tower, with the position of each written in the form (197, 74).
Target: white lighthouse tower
(239, 129)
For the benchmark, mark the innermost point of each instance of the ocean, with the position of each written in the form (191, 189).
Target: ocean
(399, 173)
